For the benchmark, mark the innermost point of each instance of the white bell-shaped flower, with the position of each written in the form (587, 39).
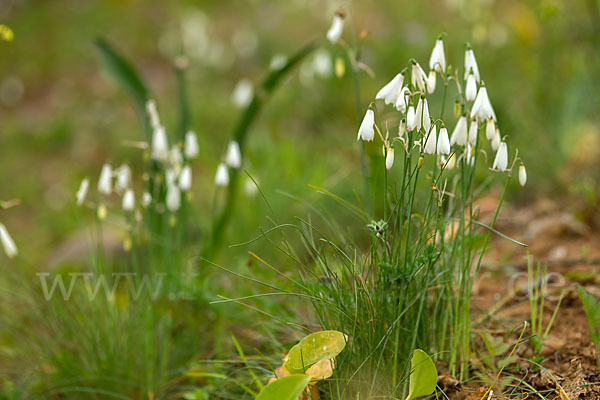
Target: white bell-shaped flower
(242, 93)
(146, 199)
(459, 134)
(471, 64)
(522, 175)
(105, 180)
(411, 121)
(10, 248)
(160, 144)
(501, 160)
(431, 82)
(471, 88)
(366, 131)
(191, 147)
(391, 91)
(473, 129)
(337, 27)
(496, 140)
(402, 100)
(418, 77)
(185, 178)
(175, 156)
(443, 143)
(437, 61)
(173, 198)
(222, 175)
(389, 158)
(128, 202)
(431, 141)
(123, 178)
(233, 157)
(490, 129)
(402, 128)
(482, 108)
(82, 191)
(422, 115)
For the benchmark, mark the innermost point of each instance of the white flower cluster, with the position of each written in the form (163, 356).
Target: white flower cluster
(175, 168)
(409, 97)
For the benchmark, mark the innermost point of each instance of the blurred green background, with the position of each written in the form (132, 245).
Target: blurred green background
(61, 117)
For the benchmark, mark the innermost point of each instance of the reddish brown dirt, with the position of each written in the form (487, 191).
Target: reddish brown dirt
(571, 249)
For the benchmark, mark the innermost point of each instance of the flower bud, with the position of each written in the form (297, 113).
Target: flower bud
(522, 175)
(233, 157)
(501, 160)
(337, 27)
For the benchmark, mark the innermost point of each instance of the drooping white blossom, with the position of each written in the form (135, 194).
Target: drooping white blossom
(437, 61)
(389, 158)
(128, 202)
(105, 180)
(482, 108)
(160, 144)
(337, 27)
(10, 248)
(391, 91)
(402, 128)
(366, 131)
(185, 178)
(443, 143)
(431, 82)
(471, 88)
(402, 100)
(175, 156)
(473, 129)
(471, 64)
(431, 141)
(82, 191)
(242, 93)
(496, 140)
(191, 148)
(422, 115)
(222, 175)
(490, 129)
(123, 178)
(233, 156)
(418, 77)
(146, 199)
(173, 198)
(501, 160)
(459, 134)
(411, 122)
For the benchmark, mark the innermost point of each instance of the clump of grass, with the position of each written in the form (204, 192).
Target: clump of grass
(411, 288)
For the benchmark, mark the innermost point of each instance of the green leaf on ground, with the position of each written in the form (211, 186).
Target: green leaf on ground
(423, 375)
(286, 388)
(313, 348)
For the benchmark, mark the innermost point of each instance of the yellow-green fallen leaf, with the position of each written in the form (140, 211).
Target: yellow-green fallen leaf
(423, 375)
(313, 348)
(286, 388)
(321, 370)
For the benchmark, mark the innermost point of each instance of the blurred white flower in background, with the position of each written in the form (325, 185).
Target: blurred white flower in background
(222, 175)
(242, 93)
(105, 180)
(337, 26)
(82, 191)
(233, 156)
(10, 248)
